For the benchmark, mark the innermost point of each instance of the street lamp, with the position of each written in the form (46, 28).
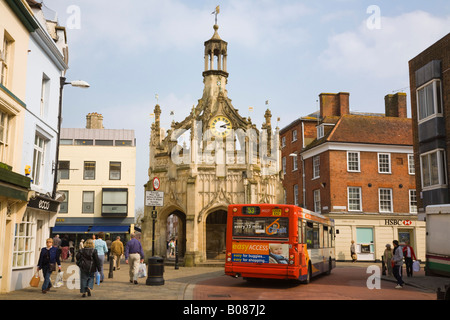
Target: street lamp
(62, 83)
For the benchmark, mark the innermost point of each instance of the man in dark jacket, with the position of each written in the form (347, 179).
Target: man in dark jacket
(88, 262)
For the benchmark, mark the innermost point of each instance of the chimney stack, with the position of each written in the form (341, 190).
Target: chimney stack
(94, 121)
(334, 104)
(395, 105)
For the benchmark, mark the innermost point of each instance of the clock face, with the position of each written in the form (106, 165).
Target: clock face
(220, 126)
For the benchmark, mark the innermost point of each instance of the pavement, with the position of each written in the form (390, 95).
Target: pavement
(179, 284)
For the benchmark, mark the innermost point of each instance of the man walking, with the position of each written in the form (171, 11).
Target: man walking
(397, 263)
(134, 254)
(117, 252)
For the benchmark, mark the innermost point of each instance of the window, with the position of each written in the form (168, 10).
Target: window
(89, 170)
(4, 122)
(88, 202)
(114, 170)
(294, 135)
(104, 142)
(296, 194)
(114, 202)
(385, 200)
(124, 143)
(45, 95)
(24, 239)
(316, 167)
(311, 235)
(38, 159)
(64, 206)
(317, 207)
(411, 165)
(429, 100)
(294, 163)
(353, 164)
(433, 166)
(384, 163)
(283, 142)
(64, 170)
(354, 198)
(6, 59)
(84, 142)
(320, 131)
(66, 142)
(412, 201)
(284, 165)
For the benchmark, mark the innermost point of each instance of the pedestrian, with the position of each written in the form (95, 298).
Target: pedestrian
(397, 263)
(48, 259)
(64, 248)
(81, 244)
(101, 248)
(388, 258)
(408, 253)
(89, 263)
(72, 249)
(135, 254)
(108, 245)
(117, 252)
(353, 251)
(57, 241)
(172, 248)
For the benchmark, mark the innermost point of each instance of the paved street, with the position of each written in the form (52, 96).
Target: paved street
(347, 282)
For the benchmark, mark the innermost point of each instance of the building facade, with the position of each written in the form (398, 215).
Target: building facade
(97, 170)
(430, 108)
(213, 158)
(360, 172)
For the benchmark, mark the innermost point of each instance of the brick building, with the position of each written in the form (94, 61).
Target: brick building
(430, 105)
(360, 172)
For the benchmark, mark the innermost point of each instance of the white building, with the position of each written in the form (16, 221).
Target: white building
(97, 175)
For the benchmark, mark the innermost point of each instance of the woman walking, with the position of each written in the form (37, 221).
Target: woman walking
(87, 260)
(48, 259)
(397, 263)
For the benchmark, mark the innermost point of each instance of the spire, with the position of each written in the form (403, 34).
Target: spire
(216, 55)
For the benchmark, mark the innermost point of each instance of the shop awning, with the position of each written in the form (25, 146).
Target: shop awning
(110, 229)
(70, 229)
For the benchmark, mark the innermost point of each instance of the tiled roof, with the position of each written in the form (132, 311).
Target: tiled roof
(370, 130)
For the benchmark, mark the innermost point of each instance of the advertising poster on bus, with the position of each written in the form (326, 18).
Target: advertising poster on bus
(257, 252)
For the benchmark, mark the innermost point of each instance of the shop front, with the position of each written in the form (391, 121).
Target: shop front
(371, 233)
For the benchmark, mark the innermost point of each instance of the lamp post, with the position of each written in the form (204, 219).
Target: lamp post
(62, 83)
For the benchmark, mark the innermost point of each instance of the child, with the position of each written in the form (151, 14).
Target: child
(276, 254)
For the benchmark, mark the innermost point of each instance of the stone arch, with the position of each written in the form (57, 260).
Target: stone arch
(215, 233)
(161, 231)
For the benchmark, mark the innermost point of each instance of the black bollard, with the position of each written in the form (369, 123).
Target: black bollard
(176, 255)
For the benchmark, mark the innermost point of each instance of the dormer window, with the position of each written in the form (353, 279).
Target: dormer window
(320, 131)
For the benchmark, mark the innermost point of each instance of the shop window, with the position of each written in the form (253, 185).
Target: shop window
(24, 239)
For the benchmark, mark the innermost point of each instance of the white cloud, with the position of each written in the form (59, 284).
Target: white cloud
(384, 52)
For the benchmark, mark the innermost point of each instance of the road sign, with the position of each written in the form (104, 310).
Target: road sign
(156, 183)
(154, 198)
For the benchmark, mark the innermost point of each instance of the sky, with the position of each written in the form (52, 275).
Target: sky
(284, 51)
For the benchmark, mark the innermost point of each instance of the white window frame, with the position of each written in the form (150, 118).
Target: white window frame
(441, 167)
(24, 242)
(4, 136)
(45, 95)
(412, 201)
(284, 164)
(283, 142)
(65, 202)
(294, 135)
(411, 164)
(358, 161)
(350, 198)
(316, 167)
(381, 193)
(437, 96)
(317, 204)
(6, 59)
(39, 159)
(380, 163)
(84, 208)
(320, 131)
(294, 163)
(296, 194)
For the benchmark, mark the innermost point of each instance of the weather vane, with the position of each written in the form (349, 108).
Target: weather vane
(216, 12)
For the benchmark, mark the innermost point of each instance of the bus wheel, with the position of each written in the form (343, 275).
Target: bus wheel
(308, 275)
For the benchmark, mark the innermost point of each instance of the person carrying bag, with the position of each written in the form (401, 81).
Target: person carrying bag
(89, 264)
(48, 259)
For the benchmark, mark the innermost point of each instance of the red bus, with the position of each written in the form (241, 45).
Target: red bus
(278, 242)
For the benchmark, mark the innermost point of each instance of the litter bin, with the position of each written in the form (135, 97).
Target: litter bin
(155, 271)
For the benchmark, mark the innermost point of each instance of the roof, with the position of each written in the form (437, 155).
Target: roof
(97, 134)
(369, 130)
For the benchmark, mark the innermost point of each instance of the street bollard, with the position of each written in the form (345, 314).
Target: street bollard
(155, 271)
(176, 256)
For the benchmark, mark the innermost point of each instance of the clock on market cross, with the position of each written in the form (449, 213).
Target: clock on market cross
(220, 126)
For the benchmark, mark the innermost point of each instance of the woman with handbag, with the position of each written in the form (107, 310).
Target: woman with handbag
(48, 259)
(89, 263)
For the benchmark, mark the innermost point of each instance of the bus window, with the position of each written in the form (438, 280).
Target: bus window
(261, 227)
(326, 237)
(308, 234)
(300, 232)
(332, 237)
(316, 244)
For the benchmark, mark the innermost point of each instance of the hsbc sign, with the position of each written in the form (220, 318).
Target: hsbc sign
(397, 222)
